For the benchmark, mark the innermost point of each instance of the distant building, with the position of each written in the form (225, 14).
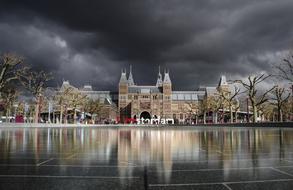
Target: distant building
(152, 101)
(107, 100)
(160, 101)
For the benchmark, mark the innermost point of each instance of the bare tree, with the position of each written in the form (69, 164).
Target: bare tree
(203, 109)
(35, 82)
(280, 97)
(76, 100)
(268, 111)
(93, 107)
(214, 103)
(10, 66)
(60, 99)
(284, 70)
(192, 109)
(69, 98)
(9, 96)
(256, 99)
(230, 99)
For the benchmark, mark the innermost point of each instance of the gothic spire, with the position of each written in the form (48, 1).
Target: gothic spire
(167, 77)
(159, 80)
(123, 78)
(223, 81)
(130, 78)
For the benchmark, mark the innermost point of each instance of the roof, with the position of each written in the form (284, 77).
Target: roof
(130, 77)
(184, 95)
(223, 81)
(211, 91)
(123, 78)
(167, 78)
(66, 85)
(108, 101)
(87, 88)
(200, 94)
(159, 80)
(144, 89)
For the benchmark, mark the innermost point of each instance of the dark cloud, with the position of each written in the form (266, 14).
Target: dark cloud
(90, 41)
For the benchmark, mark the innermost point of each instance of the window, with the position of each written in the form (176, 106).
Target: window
(180, 97)
(181, 116)
(135, 97)
(123, 97)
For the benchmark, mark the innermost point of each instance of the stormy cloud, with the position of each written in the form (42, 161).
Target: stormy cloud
(90, 41)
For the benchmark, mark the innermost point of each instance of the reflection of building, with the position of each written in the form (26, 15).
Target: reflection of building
(130, 149)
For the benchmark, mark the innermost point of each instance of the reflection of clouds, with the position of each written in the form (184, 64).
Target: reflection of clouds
(157, 149)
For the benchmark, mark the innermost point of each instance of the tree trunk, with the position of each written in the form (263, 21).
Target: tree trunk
(65, 118)
(281, 115)
(231, 114)
(36, 120)
(280, 119)
(36, 116)
(61, 114)
(31, 116)
(74, 116)
(53, 117)
(7, 115)
(204, 117)
(254, 113)
(216, 117)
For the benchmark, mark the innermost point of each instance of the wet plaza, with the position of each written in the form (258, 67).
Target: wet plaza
(146, 158)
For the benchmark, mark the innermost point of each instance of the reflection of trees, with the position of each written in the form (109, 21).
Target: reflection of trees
(155, 148)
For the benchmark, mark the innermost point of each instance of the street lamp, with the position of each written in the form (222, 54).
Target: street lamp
(291, 100)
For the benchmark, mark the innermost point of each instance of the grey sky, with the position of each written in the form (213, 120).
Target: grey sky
(90, 41)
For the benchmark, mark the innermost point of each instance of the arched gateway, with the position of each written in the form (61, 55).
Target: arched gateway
(145, 115)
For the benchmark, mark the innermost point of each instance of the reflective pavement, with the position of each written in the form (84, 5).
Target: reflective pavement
(146, 158)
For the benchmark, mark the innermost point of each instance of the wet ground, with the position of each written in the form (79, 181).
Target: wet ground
(146, 158)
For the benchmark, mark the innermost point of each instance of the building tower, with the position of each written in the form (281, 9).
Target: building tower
(223, 86)
(123, 93)
(159, 80)
(130, 77)
(167, 96)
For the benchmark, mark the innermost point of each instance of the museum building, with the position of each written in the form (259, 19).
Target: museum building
(159, 100)
(151, 101)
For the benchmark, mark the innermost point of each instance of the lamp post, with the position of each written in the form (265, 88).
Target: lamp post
(291, 101)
